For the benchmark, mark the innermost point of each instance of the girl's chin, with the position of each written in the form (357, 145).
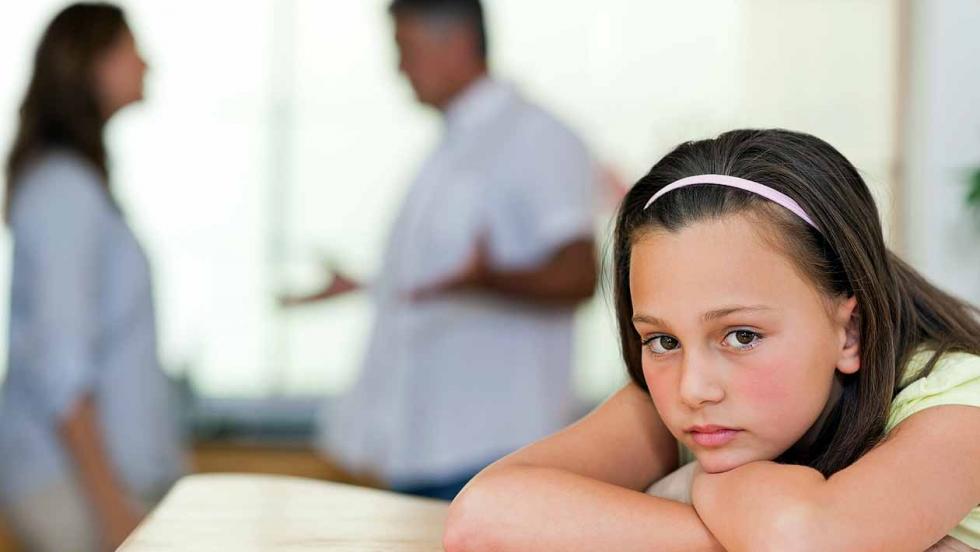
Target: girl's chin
(723, 461)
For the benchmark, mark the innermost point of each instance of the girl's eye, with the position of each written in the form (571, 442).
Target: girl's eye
(662, 344)
(743, 340)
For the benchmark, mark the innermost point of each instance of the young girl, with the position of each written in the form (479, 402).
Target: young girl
(827, 391)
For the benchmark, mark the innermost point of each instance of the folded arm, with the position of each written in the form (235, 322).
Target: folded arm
(581, 489)
(905, 494)
(534, 508)
(567, 277)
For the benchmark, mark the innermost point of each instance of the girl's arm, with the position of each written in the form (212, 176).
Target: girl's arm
(581, 489)
(905, 494)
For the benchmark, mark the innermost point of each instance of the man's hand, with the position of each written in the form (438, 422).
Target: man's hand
(338, 284)
(475, 274)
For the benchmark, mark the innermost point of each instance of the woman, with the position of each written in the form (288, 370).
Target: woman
(87, 440)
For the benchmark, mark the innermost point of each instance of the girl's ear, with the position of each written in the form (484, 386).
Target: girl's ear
(850, 336)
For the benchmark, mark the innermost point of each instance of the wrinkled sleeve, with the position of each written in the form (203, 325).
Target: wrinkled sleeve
(550, 197)
(56, 221)
(955, 380)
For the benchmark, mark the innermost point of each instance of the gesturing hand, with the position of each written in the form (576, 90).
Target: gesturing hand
(473, 275)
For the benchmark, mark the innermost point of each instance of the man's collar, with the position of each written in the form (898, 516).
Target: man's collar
(478, 102)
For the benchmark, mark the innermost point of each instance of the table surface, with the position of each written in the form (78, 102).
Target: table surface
(275, 513)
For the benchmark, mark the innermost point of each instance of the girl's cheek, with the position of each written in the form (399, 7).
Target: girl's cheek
(762, 385)
(779, 397)
(662, 390)
(656, 381)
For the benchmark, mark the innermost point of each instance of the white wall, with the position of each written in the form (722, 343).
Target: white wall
(942, 143)
(274, 129)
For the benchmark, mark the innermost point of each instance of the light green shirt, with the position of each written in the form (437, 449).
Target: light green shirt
(954, 380)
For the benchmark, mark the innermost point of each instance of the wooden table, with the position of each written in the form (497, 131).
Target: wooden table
(246, 513)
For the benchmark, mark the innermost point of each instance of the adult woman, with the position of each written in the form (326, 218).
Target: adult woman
(87, 441)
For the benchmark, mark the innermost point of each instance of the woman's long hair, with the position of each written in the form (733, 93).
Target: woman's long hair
(61, 107)
(898, 310)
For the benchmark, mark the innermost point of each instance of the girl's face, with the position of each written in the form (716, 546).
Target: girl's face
(739, 350)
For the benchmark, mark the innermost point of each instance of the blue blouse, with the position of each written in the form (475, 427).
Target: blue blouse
(81, 323)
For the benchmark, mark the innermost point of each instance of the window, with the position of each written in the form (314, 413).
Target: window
(277, 133)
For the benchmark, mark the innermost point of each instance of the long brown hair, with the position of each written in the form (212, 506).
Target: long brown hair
(60, 108)
(898, 310)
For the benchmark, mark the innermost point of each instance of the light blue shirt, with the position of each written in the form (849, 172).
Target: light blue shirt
(81, 323)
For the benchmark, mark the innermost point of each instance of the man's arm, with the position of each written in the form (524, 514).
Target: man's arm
(566, 278)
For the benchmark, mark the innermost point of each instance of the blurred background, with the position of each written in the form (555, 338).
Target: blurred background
(278, 133)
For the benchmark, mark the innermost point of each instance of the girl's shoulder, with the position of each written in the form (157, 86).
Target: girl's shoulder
(954, 380)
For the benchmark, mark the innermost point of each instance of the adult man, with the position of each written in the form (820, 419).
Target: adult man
(470, 356)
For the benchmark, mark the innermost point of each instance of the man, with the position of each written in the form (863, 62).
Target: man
(470, 357)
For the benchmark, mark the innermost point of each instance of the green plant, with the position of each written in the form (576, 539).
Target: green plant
(973, 191)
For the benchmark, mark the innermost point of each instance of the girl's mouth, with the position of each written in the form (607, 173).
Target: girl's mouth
(712, 436)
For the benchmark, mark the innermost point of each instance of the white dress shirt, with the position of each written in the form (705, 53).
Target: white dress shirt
(451, 383)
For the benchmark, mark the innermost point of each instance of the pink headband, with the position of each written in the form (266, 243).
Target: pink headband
(740, 183)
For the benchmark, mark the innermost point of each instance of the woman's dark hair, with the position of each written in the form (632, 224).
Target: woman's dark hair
(60, 108)
(898, 311)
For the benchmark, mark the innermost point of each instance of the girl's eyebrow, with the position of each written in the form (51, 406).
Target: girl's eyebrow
(647, 319)
(723, 312)
(707, 317)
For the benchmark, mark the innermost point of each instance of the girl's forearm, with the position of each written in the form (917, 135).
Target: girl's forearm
(763, 506)
(534, 508)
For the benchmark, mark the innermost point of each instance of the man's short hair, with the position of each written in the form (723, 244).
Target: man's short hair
(469, 12)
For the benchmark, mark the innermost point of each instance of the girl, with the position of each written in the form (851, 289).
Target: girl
(87, 436)
(827, 391)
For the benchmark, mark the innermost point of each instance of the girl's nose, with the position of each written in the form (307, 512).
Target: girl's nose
(700, 383)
